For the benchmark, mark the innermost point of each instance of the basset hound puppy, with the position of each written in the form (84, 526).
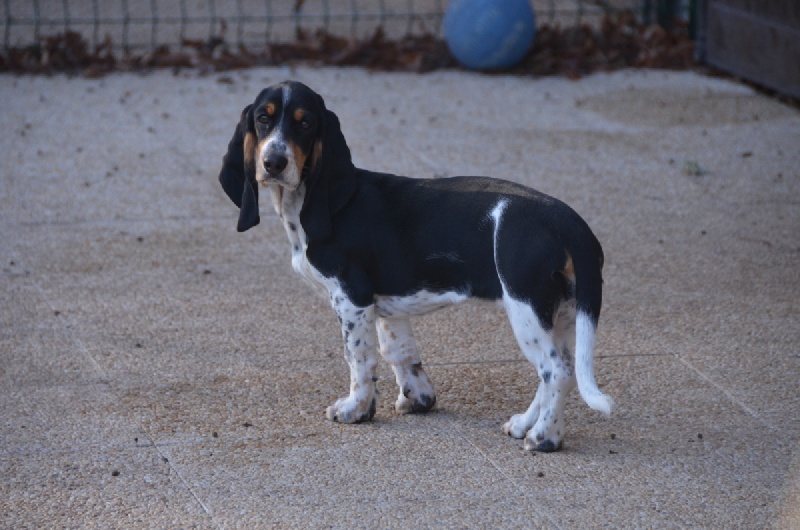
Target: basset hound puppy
(385, 248)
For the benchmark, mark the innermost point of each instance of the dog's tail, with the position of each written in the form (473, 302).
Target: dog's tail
(588, 263)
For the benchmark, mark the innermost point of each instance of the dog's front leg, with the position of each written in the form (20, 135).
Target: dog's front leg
(358, 331)
(397, 346)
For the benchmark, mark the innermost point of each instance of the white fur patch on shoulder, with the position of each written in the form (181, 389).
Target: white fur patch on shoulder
(497, 215)
(497, 212)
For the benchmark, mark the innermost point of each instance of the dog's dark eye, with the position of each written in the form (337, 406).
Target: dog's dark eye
(304, 124)
(263, 118)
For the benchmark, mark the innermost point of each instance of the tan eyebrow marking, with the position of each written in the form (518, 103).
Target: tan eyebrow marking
(270, 109)
(299, 114)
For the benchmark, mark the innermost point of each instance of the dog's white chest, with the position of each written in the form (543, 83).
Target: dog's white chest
(288, 205)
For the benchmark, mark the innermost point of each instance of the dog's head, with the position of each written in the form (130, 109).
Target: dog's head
(287, 137)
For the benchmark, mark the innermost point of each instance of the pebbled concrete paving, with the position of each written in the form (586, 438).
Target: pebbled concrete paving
(159, 370)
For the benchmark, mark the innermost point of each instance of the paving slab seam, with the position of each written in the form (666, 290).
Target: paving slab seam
(102, 448)
(497, 468)
(460, 363)
(116, 220)
(525, 361)
(727, 394)
(102, 374)
(632, 355)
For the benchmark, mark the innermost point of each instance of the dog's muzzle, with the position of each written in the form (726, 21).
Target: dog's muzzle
(275, 163)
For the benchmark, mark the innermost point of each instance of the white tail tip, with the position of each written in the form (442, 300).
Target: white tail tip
(584, 369)
(599, 402)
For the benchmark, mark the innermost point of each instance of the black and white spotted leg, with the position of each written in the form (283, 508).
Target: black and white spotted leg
(519, 424)
(358, 331)
(542, 425)
(398, 347)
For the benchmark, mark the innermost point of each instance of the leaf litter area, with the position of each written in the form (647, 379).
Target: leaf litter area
(619, 42)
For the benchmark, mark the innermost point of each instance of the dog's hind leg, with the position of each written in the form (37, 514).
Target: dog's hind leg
(397, 346)
(542, 424)
(358, 331)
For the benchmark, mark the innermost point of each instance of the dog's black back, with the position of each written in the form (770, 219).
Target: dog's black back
(400, 235)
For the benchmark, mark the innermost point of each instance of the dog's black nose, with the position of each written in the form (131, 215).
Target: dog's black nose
(275, 163)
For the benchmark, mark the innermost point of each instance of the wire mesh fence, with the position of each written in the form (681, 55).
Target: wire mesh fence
(96, 37)
(141, 25)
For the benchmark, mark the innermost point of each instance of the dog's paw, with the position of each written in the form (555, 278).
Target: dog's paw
(541, 436)
(544, 437)
(542, 446)
(518, 426)
(417, 394)
(409, 404)
(348, 410)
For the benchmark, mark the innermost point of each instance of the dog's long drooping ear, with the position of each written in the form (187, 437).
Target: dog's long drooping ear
(238, 173)
(332, 180)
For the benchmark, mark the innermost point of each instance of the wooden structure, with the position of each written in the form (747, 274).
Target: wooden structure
(758, 40)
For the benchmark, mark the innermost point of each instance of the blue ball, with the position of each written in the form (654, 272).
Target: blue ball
(489, 34)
